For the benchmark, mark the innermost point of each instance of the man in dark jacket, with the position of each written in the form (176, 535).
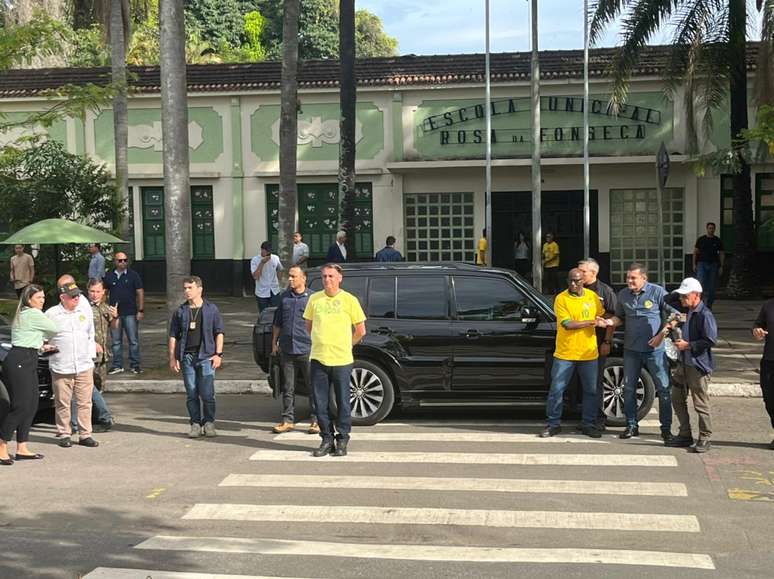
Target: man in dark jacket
(196, 347)
(388, 252)
(700, 333)
(337, 252)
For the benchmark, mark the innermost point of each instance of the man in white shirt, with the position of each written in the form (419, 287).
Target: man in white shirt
(300, 251)
(265, 268)
(73, 364)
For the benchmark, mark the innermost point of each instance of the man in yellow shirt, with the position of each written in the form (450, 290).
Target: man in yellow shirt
(578, 312)
(483, 246)
(550, 265)
(330, 317)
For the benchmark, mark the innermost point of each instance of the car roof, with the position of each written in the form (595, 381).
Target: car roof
(415, 267)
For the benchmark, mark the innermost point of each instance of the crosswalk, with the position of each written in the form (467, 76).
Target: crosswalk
(388, 493)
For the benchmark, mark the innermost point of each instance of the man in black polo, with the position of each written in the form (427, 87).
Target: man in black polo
(126, 292)
(290, 338)
(708, 259)
(762, 332)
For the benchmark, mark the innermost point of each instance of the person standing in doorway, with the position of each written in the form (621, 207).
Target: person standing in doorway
(761, 331)
(265, 269)
(336, 323)
(126, 293)
(521, 255)
(481, 248)
(337, 252)
(708, 261)
(22, 270)
(550, 265)
(388, 252)
(300, 251)
(97, 262)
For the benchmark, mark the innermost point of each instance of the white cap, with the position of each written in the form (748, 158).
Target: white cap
(689, 284)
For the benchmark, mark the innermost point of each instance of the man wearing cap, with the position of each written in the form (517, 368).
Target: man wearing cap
(265, 268)
(700, 333)
(73, 364)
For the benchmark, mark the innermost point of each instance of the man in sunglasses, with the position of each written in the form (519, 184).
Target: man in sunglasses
(127, 293)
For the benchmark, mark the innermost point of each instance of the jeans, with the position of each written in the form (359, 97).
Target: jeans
(292, 363)
(655, 362)
(199, 381)
(126, 324)
(270, 302)
(561, 374)
(100, 413)
(322, 379)
(707, 274)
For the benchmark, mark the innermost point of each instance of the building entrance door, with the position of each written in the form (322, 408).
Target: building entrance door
(562, 214)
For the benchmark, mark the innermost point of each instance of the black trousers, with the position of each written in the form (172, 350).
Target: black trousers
(20, 373)
(767, 387)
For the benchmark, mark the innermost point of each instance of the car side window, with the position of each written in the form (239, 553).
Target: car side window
(487, 299)
(354, 285)
(422, 297)
(381, 297)
(315, 284)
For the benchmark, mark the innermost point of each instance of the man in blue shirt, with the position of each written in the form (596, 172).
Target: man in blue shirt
(97, 262)
(642, 308)
(126, 292)
(388, 252)
(290, 338)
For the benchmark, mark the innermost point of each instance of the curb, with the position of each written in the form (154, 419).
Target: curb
(260, 387)
(746, 390)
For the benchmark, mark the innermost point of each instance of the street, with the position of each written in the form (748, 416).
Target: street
(445, 494)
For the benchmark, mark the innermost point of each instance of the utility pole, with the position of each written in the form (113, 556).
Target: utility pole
(537, 228)
(586, 176)
(488, 171)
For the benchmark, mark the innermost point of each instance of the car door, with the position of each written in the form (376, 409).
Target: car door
(502, 339)
(413, 311)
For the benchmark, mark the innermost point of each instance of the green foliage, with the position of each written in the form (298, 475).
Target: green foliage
(89, 48)
(215, 21)
(764, 128)
(254, 26)
(40, 37)
(370, 38)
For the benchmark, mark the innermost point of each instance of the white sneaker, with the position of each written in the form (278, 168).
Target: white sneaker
(209, 429)
(114, 371)
(196, 431)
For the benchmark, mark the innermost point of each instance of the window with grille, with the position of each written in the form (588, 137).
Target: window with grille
(202, 223)
(727, 229)
(439, 227)
(634, 233)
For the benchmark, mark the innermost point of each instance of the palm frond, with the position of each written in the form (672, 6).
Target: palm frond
(604, 12)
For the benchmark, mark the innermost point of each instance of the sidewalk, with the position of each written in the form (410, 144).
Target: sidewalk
(737, 355)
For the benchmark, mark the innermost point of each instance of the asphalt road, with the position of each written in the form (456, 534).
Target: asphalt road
(442, 494)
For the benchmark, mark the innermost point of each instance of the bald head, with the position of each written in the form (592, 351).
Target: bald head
(64, 279)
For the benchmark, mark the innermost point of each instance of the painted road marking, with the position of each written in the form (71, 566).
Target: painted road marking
(653, 460)
(370, 515)
(470, 436)
(581, 487)
(155, 493)
(428, 552)
(125, 573)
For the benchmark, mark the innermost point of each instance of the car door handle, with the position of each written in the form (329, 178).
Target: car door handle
(473, 334)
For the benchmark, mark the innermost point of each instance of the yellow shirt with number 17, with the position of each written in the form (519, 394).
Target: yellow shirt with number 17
(332, 321)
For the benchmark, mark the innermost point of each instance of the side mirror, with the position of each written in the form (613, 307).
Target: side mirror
(529, 315)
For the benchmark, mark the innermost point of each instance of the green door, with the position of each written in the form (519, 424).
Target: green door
(764, 210)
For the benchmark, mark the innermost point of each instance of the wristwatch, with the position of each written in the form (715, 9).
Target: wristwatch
(219, 354)
(608, 342)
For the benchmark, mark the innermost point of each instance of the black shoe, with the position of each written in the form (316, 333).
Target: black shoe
(702, 445)
(667, 437)
(103, 426)
(89, 442)
(771, 445)
(681, 441)
(591, 432)
(600, 426)
(341, 448)
(326, 447)
(6, 461)
(630, 432)
(549, 431)
(65, 442)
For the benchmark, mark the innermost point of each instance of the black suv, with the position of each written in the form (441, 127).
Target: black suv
(452, 334)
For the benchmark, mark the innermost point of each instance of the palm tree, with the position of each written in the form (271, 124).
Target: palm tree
(348, 102)
(709, 59)
(288, 194)
(174, 127)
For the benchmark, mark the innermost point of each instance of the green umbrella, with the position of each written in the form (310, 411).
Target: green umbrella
(58, 232)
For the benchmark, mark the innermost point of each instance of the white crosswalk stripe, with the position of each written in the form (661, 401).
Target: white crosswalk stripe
(582, 487)
(428, 552)
(469, 436)
(125, 573)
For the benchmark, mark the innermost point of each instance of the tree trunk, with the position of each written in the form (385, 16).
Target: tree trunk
(348, 102)
(288, 194)
(118, 41)
(174, 126)
(742, 280)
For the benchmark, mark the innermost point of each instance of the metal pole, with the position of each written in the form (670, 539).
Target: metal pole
(537, 229)
(660, 237)
(488, 99)
(586, 177)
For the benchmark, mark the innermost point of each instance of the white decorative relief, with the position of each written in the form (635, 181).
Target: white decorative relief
(13, 134)
(147, 136)
(315, 132)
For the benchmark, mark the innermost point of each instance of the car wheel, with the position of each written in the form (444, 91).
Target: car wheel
(612, 393)
(370, 393)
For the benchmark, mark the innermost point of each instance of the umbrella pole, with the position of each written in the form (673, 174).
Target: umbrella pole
(56, 261)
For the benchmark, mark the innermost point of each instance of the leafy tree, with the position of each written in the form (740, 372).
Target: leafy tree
(215, 21)
(370, 37)
(764, 128)
(709, 60)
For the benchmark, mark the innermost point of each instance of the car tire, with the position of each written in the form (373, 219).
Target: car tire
(612, 397)
(372, 395)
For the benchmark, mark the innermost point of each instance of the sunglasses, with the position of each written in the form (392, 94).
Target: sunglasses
(578, 280)
(122, 260)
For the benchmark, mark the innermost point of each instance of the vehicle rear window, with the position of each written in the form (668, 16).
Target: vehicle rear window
(381, 297)
(487, 299)
(422, 297)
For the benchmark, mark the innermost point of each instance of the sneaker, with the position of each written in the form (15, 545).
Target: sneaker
(209, 429)
(702, 445)
(137, 370)
(630, 432)
(283, 427)
(549, 431)
(314, 428)
(115, 371)
(196, 431)
(88, 442)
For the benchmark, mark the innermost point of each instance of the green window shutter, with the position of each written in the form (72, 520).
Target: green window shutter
(153, 222)
(727, 229)
(202, 222)
(764, 210)
(272, 214)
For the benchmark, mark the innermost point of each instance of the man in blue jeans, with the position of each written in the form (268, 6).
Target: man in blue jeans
(578, 312)
(708, 261)
(196, 348)
(125, 292)
(643, 311)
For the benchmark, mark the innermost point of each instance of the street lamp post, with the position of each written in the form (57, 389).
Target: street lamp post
(537, 229)
(488, 170)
